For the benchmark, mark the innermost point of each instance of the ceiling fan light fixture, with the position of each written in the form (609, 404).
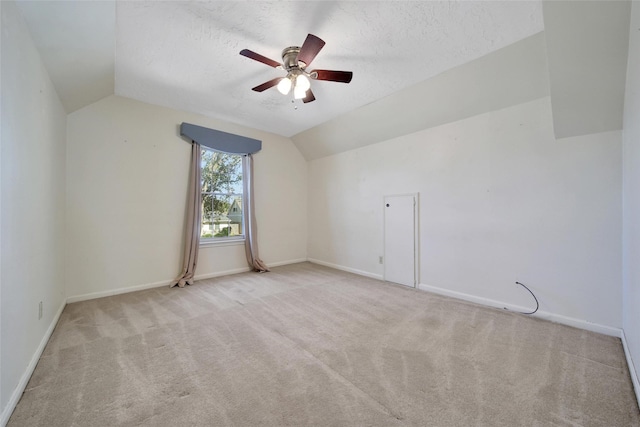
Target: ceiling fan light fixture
(285, 85)
(295, 60)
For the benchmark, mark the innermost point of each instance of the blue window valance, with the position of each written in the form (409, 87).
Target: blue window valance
(220, 141)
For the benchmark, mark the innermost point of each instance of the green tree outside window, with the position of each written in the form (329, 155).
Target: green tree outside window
(221, 184)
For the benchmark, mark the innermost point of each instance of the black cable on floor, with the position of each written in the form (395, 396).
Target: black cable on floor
(534, 297)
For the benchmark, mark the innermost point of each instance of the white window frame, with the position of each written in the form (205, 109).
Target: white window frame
(228, 240)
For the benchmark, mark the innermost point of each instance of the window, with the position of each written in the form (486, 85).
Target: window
(221, 196)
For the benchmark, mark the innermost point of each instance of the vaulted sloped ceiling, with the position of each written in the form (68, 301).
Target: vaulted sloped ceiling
(76, 41)
(587, 47)
(506, 77)
(415, 64)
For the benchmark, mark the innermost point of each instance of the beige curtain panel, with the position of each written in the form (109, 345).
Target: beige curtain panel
(192, 235)
(249, 218)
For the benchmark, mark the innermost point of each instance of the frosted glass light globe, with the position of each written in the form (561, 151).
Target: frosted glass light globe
(303, 82)
(284, 86)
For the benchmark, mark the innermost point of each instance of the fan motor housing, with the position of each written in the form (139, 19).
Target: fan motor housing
(290, 58)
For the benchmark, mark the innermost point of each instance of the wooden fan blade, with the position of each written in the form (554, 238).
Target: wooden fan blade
(266, 85)
(332, 75)
(257, 57)
(310, 49)
(309, 97)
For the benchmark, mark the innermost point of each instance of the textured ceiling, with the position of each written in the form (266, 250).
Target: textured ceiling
(185, 55)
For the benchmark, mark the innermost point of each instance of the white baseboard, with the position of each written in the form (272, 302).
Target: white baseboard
(26, 375)
(125, 290)
(632, 369)
(246, 269)
(118, 291)
(347, 269)
(557, 318)
(221, 273)
(292, 261)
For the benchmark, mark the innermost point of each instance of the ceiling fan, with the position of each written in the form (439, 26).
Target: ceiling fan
(295, 61)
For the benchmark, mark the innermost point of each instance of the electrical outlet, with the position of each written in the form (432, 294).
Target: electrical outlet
(380, 260)
(40, 310)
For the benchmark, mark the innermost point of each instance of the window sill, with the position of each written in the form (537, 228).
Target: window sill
(215, 243)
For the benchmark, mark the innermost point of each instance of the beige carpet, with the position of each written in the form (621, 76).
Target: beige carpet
(306, 345)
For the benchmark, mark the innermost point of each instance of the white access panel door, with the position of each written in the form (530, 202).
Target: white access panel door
(400, 239)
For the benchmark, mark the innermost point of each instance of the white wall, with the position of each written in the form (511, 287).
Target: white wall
(126, 196)
(33, 185)
(500, 200)
(631, 196)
